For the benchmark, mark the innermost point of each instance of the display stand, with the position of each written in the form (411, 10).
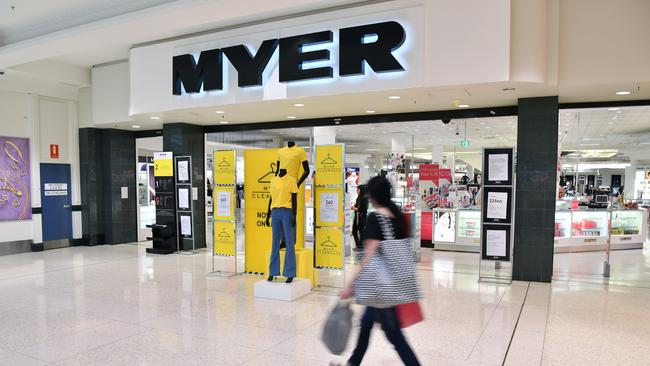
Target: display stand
(184, 204)
(224, 219)
(329, 198)
(164, 230)
(497, 226)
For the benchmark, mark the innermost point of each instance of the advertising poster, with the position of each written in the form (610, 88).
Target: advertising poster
(224, 167)
(497, 204)
(329, 207)
(352, 176)
(259, 168)
(329, 165)
(444, 227)
(224, 204)
(329, 248)
(163, 164)
(498, 164)
(444, 184)
(15, 187)
(428, 187)
(496, 242)
(224, 238)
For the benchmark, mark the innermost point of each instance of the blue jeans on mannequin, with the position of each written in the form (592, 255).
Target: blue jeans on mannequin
(390, 324)
(282, 221)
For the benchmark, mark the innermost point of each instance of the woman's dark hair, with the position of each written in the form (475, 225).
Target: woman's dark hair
(378, 188)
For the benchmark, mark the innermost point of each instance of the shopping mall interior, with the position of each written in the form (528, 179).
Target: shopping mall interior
(186, 182)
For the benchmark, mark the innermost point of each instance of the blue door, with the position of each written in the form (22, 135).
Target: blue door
(56, 201)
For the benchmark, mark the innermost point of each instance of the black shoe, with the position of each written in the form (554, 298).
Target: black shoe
(270, 279)
(289, 279)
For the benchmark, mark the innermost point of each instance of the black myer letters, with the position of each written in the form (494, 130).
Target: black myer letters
(189, 75)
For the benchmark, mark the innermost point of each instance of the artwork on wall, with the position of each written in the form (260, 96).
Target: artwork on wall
(15, 193)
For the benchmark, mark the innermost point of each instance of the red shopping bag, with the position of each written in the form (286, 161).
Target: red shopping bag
(409, 314)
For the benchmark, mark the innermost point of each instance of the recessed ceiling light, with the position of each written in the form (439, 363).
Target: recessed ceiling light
(625, 92)
(394, 97)
(372, 149)
(219, 112)
(154, 117)
(370, 111)
(298, 105)
(291, 117)
(136, 126)
(618, 112)
(224, 122)
(610, 123)
(463, 106)
(613, 109)
(614, 117)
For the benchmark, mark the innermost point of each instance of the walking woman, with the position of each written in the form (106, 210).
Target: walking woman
(384, 247)
(360, 209)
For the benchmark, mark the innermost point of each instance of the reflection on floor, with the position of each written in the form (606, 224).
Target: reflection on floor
(117, 305)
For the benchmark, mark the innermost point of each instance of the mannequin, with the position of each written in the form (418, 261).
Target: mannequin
(291, 158)
(282, 210)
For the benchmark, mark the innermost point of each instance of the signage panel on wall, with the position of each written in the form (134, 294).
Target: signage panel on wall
(15, 186)
(224, 167)
(329, 248)
(163, 164)
(326, 54)
(224, 238)
(329, 165)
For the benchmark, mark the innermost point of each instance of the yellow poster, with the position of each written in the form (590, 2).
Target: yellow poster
(329, 207)
(329, 165)
(163, 164)
(224, 165)
(224, 203)
(259, 168)
(224, 238)
(328, 244)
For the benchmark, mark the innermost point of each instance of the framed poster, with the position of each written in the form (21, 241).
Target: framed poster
(495, 242)
(497, 167)
(185, 224)
(183, 169)
(497, 205)
(444, 226)
(15, 175)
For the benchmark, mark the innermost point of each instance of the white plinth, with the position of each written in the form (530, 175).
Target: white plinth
(282, 291)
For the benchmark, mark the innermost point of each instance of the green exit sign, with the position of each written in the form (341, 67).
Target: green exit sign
(464, 143)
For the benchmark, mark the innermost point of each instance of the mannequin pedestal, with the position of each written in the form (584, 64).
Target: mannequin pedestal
(283, 291)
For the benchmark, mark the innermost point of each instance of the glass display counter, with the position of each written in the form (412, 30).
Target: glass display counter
(457, 229)
(587, 230)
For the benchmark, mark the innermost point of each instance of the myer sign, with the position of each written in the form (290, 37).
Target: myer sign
(373, 44)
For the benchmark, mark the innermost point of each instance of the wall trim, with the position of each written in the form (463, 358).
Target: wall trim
(604, 104)
(37, 210)
(15, 247)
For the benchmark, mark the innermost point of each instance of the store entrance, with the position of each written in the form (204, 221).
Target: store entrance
(603, 196)
(444, 208)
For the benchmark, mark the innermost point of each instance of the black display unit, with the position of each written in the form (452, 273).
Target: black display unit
(164, 230)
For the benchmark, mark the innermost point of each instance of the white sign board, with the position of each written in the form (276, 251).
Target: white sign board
(496, 243)
(497, 205)
(329, 207)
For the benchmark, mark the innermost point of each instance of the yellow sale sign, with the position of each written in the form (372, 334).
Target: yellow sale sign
(329, 207)
(328, 244)
(163, 164)
(224, 238)
(259, 168)
(224, 203)
(224, 165)
(329, 165)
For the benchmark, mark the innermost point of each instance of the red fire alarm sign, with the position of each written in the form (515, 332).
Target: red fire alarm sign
(54, 151)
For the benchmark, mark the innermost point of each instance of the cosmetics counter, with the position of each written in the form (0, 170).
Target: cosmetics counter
(586, 230)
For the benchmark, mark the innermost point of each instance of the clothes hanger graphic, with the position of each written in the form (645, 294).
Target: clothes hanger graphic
(224, 163)
(223, 234)
(271, 173)
(328, 243)
(328, 160)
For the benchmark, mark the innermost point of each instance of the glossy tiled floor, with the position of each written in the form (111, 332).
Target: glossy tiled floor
(116, 305)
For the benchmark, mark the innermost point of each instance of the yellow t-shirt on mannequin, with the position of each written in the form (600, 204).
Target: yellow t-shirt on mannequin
(291, 159)
(281, 190)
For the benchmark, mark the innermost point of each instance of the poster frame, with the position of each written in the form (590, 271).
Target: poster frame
(507, 229)
(484, 208)
(486, 166)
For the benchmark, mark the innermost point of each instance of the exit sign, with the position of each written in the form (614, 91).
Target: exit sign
(464, 143)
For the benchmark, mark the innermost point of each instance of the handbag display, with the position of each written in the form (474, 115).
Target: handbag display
(409, 314)
(389, 278)
(337, 328)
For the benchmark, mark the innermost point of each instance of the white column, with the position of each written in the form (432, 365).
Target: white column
(324, 135)
(35, 168)
(436, 154)
(73, 138)
(628, 183)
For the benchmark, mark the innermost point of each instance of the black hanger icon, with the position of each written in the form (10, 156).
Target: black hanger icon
(328, 160)
(223, 234)
(264, 177)
(224, 163)
(328, 243)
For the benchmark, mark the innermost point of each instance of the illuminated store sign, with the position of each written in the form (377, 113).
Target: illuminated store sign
(373, 44)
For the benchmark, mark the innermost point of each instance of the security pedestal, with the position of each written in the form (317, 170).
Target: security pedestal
(283, 291)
